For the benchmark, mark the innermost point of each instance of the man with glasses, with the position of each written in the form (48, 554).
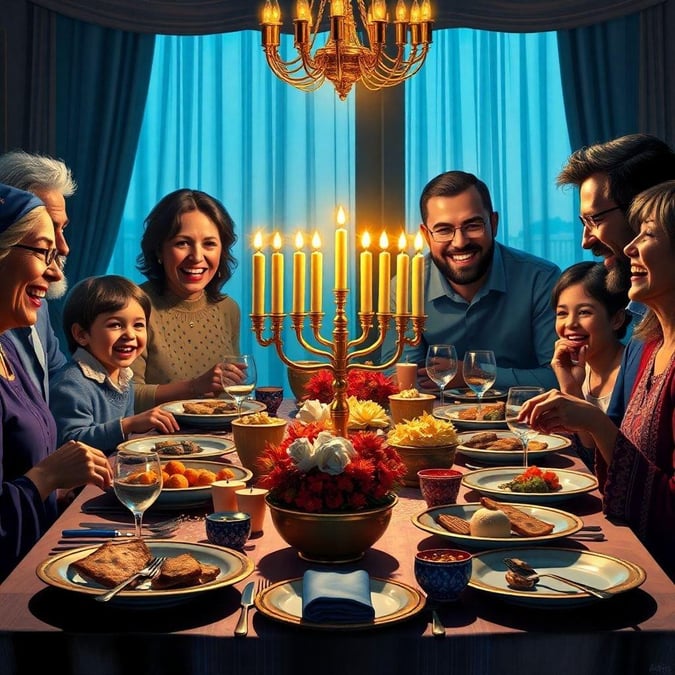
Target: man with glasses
(51, 181)
(609, 176)
(478, 293)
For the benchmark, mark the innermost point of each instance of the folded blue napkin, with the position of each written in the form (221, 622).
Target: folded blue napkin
(336, 597)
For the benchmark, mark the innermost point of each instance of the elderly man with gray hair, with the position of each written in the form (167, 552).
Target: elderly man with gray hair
(50, 180)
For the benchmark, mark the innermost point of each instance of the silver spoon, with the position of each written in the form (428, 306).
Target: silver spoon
(523, 569)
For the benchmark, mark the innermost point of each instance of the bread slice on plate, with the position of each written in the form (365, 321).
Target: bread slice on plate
(114, 562)
(521, 523)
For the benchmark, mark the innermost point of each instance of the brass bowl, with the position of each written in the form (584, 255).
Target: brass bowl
(297, 378)
(417, 458)
(331, 537)
(406, 409)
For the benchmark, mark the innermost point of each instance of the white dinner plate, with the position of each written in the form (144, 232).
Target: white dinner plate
(451, 413)
(214, 422)
(192, 497)
(466, 395)
(234, 567)
(554, 443)
(595, 569)
(392, 601)
(564, 524)
(487, 482)
(212, 446)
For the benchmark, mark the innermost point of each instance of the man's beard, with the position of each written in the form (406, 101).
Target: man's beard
(464, 277)
(618, 277)
(57, 289)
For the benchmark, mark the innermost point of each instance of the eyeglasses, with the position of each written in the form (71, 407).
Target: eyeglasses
(594, 220)
(447, 232)
(48, 253)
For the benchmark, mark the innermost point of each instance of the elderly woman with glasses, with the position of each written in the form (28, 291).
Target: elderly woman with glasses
(32, 470)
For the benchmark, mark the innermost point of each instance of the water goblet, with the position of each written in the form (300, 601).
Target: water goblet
(243, 388)
(514, 402)
(441, 365)
(479, 371)
(137, 482)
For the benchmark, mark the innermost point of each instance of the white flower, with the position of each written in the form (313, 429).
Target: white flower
(302, 452)
(313, 411)
(333, 453)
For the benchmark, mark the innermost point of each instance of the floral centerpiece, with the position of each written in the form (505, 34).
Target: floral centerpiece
(314, 471)
(364, 385)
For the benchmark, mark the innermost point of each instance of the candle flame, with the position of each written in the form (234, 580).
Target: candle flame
(303, 10)
(341, 218)
(276, 241)
(271, 12)
(257, 240)
(365, 240)
(384, 241)
(415, 12)
(299, 241)
(426, 10)
(316, 241)
(401, 11)
(419, 242)
(402, 242)
(379, 10)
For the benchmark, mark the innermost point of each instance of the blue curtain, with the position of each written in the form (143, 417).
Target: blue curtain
(218, 120)
(102, 82)
(491, 104)
(600, 68)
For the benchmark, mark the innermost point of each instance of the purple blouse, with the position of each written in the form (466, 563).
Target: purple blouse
(28, 436)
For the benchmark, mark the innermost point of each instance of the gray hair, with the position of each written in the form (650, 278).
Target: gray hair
(29, 172)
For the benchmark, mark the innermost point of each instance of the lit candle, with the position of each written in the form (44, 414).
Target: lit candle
(316, 275)
(385, 276)
(366, 259)
(277, 276)
(418, 277)
(223, 494)
(341, 251)
(302, 8)
(299, 275)
(252, 501)
(258, 276)
(337, 8)
(402, 274)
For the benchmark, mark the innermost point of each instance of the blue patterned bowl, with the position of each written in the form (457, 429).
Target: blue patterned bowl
(443, 573)
(230, 529)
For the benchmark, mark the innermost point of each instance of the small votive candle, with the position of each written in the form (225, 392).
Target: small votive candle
(406, 375)
(223, 494)
(252, 501)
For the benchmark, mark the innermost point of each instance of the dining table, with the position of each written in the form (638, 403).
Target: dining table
(633, 632)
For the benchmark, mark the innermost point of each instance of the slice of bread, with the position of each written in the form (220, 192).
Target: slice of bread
(183, 570)
(521, 523)
(114, 562)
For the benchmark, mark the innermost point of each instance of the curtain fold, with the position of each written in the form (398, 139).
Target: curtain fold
(199, 17)
(102, 86)
(599, 72)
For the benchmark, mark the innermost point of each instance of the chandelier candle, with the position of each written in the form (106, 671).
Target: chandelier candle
(339, 354)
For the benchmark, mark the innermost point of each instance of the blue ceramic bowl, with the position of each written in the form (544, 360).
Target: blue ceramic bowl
(443, 573)
(271, 397)
(230, 529)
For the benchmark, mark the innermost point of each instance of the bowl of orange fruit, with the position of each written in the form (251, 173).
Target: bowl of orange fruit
(186, 483)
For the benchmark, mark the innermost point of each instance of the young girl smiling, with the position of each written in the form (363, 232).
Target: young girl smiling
(105, 320)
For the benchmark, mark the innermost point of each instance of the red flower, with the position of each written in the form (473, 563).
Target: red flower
(365, 385)
(365, 482)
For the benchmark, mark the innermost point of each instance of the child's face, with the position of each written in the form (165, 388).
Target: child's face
(117, 338)
(583, 320)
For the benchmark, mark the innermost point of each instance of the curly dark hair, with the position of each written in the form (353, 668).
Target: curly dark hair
(163, 223)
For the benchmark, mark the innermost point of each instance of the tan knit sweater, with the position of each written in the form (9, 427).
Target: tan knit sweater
(185, 339)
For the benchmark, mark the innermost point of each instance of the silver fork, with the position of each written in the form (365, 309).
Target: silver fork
(163, 525)
(150, 570)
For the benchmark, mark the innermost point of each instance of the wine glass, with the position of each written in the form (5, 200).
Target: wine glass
(514, 402)
(441, 365)
(137, 481)
(480, 371)
(241, 390)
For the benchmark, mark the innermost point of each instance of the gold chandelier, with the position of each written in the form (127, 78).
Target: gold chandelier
(345, 59)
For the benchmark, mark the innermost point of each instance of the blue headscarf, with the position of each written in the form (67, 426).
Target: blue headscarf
(15, 204)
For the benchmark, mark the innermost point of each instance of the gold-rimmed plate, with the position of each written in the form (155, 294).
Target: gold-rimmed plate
(554, 443)
(56, 571)
(564, 525)
(392, 600)
(452, 413)
(215, 422)
(595, 569)
(487, 482)
(466, 395)
(211, 446)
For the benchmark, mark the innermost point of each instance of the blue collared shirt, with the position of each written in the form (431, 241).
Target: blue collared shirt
(511, 315)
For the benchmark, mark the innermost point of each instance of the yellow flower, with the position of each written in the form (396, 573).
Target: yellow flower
(366, 414)
(424, 431)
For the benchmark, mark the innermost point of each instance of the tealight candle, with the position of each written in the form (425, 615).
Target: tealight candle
(252, 501)
(223, 494)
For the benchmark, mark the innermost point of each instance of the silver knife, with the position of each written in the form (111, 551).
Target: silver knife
(246, 602)
(101, 533)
